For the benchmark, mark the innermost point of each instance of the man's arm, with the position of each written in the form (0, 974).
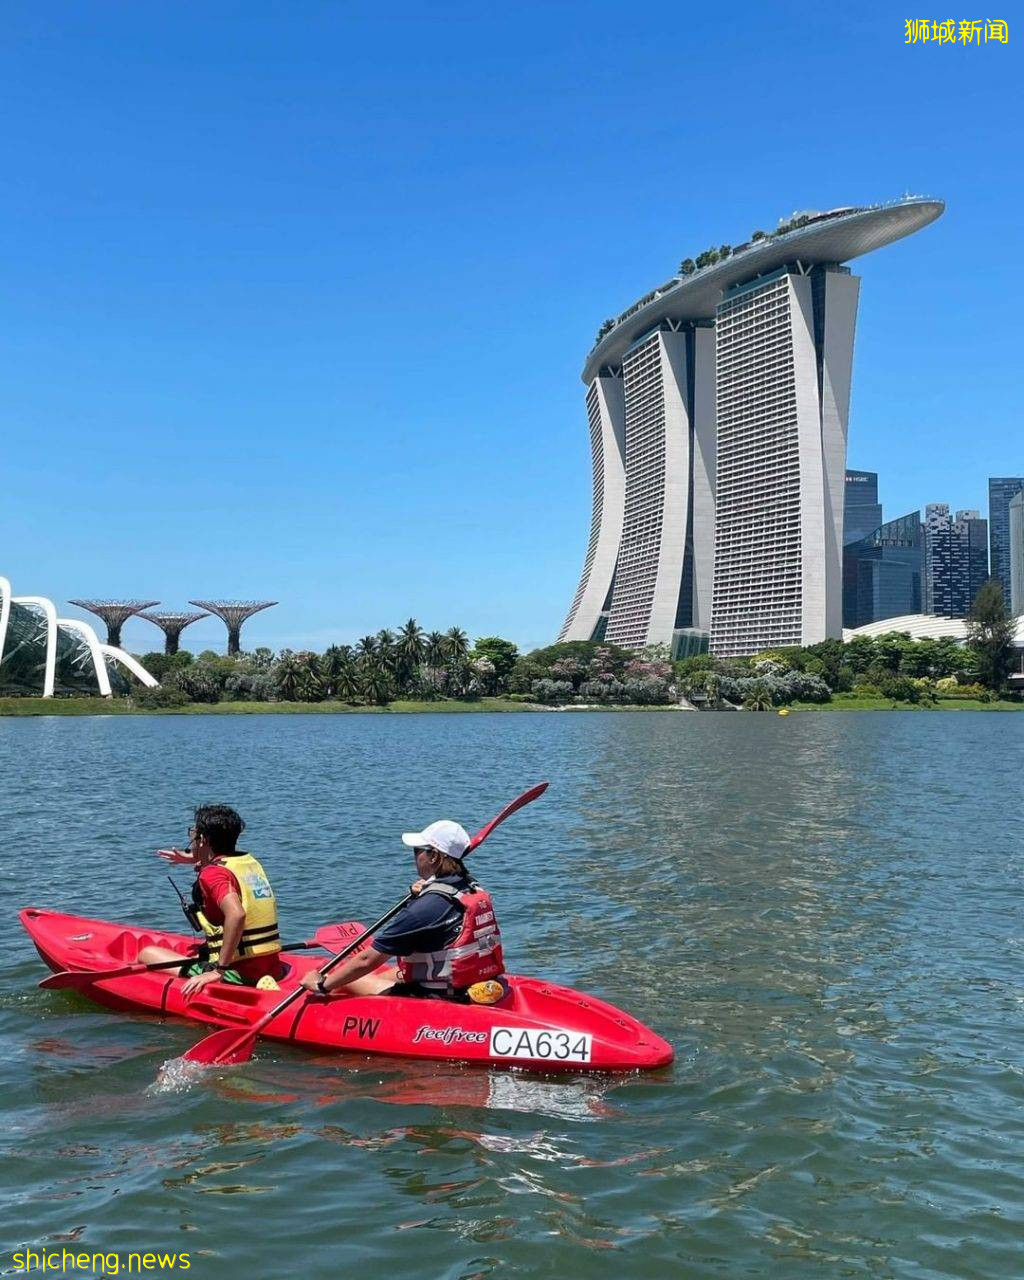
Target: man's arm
(234, 922)
(356, 966)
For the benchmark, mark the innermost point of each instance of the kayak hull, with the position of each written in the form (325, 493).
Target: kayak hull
(538, 1026)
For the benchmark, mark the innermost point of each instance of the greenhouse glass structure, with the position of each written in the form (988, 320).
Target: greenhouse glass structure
(42, 655)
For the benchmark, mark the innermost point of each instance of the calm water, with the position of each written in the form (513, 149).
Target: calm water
(823, 913)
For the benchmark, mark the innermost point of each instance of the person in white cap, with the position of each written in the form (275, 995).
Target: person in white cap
(445, 941)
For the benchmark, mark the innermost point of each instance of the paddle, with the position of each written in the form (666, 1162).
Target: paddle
(230, 1046)
(327, 936)
(507, 812)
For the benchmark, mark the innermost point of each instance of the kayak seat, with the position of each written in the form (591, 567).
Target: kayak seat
(234, 994)
(235, 1003)
(126, 945)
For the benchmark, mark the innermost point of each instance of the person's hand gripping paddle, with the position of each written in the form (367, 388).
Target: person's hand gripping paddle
(230, 1046)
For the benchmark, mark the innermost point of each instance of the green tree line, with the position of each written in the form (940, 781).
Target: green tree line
(410, 663)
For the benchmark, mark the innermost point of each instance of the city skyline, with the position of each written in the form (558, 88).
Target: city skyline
(201, 323)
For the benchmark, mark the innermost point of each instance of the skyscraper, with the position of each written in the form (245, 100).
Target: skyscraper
(665, 561)
(1001, 491)
(717, 407)
(1016, 599)
(956, 559)
(882, 572)
(785, 356)
(862, 512)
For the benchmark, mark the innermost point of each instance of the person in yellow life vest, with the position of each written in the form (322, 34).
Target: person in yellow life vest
(233, 904)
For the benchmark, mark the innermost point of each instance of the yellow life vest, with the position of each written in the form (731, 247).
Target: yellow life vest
(259, 933)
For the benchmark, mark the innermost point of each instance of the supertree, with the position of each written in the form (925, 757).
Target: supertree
(172, 625)
(115, 613)
(233, 613)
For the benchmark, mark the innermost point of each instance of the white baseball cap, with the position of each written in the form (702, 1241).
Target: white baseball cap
(445, 836)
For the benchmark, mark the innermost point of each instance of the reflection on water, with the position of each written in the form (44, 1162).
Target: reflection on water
(822, 913)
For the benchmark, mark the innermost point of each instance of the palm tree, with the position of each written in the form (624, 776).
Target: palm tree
(310, 685)
(386, 655)
(366, 647)
(331, 664)
(758, 699)
(409, 650)
(434, 650)
(287, 676)
(346, 686)
(456, 644)
(375, 684)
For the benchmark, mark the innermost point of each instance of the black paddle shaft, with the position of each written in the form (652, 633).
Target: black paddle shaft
(335, 960)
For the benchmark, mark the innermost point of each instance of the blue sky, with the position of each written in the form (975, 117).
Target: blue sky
(294, 298)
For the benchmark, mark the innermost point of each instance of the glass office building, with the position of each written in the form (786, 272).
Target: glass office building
(882, 573)
(862, 512)
(1001, 492)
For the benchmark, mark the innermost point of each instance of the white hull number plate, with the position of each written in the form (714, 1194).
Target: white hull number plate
(554, 1046)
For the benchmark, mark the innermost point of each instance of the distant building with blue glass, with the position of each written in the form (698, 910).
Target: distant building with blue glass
(883, 572)
(862, 512)
(1001, 492)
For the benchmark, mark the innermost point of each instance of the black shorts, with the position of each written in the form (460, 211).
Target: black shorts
(416, 992)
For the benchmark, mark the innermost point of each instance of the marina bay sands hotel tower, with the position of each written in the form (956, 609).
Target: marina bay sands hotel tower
(718, 407)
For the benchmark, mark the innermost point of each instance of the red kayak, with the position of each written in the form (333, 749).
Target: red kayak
(537, 1025)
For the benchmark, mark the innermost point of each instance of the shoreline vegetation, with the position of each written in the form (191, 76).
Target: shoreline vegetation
(410, 671)
(26, 707)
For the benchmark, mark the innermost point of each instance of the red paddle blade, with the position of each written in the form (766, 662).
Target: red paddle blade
(79, 979)
(227, 1047)
(507, 812)
(332, 937)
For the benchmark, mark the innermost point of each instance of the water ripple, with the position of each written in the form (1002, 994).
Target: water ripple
(822, 913)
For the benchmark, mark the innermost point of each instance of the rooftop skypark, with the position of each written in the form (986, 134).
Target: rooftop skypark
(806, 237)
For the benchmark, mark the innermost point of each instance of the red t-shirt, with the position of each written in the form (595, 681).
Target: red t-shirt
(215, 883)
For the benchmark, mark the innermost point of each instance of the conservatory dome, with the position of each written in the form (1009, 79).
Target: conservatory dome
(42, 655)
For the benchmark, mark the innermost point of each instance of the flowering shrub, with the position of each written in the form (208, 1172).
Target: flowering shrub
(792, 686)
(551, 690)
(975, 692)
(606, 689)
(251, 687)
(647, 691)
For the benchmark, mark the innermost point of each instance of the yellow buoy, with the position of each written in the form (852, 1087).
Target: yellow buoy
(783, 711)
